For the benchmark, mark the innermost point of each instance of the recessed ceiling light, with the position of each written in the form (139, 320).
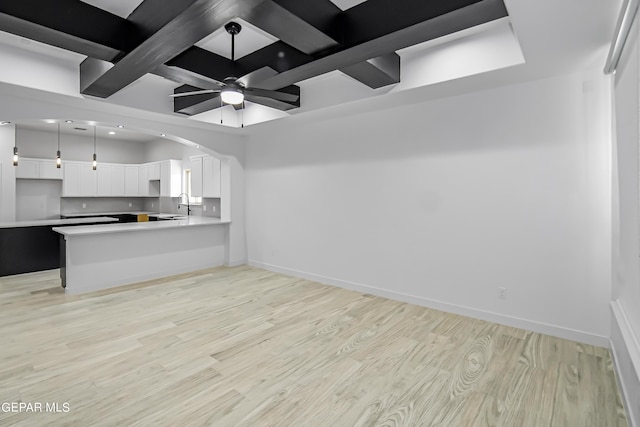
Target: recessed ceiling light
(112, 133)
(162, 134)
(50, 121)
(68, 121)
(5, 122)
(121, 126)
(197, 146)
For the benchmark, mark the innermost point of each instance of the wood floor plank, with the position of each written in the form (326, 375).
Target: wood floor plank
(246, 347)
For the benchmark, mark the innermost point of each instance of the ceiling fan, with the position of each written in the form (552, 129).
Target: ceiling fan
(232, 90)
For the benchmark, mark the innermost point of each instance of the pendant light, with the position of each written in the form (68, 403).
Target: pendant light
(58, 158)
(94, 164)
(15, 149)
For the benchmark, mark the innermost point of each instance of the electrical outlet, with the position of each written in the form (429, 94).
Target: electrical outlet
(152, 204)
(204, 208)
(84, 206)
(130, 204)
(502, 293)
(213, 208)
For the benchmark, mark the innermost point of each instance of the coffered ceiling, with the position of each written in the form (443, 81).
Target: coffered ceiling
(332, 53)
(282, 43)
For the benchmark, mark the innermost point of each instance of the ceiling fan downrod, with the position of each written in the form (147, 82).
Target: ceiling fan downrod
(234, 29)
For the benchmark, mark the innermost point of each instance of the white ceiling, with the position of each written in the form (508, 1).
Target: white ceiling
(248, 41)
(86, 129)
(555, 37)
(346, 4)
(122, 8)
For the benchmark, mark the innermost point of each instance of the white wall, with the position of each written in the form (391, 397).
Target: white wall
(441, 203)
(625, 334)
(43, 145)
(38, 199)
(163, 149)
(41, 71)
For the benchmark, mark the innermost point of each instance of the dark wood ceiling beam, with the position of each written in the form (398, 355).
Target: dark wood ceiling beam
(479, 12)
(182, 76)
(289, 27)
(273, 103)
(208, 64)
(71, 25)
(374, 19)
(326, 17)
(377, 72)
(151, 15)
(201, 19)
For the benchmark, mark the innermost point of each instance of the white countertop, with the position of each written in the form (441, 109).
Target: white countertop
(58, 222)
(80, 215)
(128, 227)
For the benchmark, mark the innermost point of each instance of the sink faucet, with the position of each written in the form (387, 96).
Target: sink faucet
(188, 205)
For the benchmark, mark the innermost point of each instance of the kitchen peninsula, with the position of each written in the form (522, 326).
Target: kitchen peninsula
(28, 246)
(103, 256)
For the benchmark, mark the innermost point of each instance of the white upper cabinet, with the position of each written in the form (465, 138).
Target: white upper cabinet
(131, 180)
(80, 180)
(38, 169)
(104, 180)
(143, 180)
(117, 181)
(111, 180)
(48, 169)
(205, 176)
(210, 177)
(196, 176)
(154, 171)
(71, 182)
(170, 178)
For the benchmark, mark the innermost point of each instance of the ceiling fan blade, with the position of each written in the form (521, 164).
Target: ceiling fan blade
(273, 94)
(195, 92)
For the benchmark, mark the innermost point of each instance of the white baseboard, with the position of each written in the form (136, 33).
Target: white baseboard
(543, 328)
(626, 359)
(236, 263)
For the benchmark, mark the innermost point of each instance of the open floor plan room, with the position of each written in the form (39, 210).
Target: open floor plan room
(247, 347)
(320, 213)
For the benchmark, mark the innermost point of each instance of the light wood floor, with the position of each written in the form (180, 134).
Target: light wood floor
(247, 347)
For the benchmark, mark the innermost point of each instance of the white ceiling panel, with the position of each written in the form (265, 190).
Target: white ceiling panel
(249, 40)
(347, 4)
(122, 8)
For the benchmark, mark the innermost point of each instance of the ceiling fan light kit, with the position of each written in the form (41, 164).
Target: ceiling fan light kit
(233, 96)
